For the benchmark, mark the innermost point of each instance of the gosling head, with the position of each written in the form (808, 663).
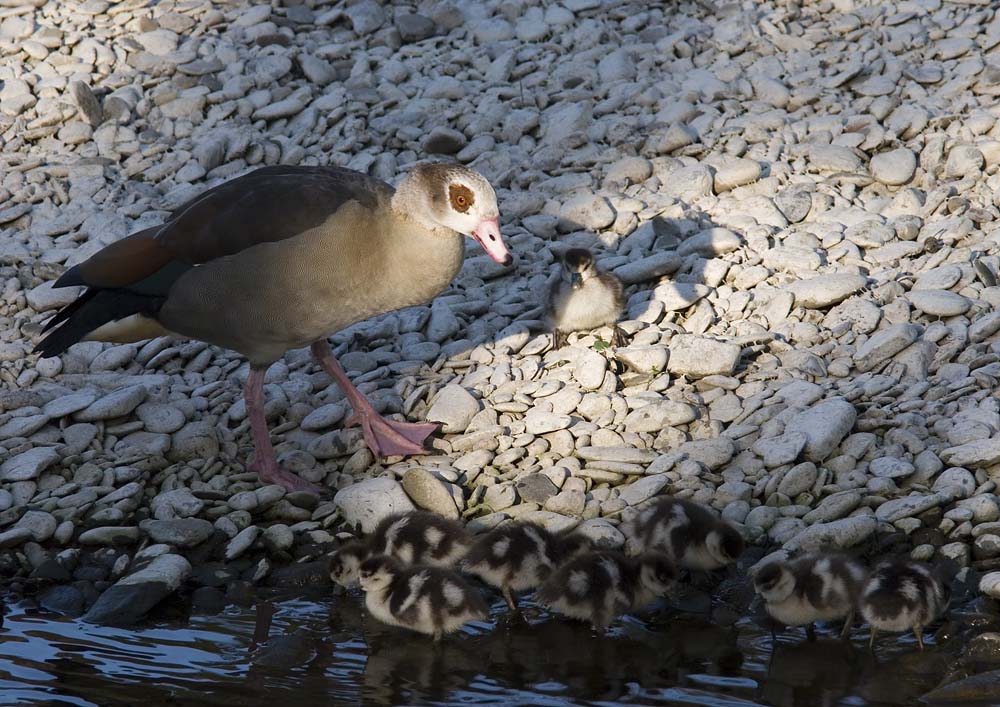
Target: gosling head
(578, 265)
(724, 544)
(346, 562)
(656, 573)
(377, 573)
(774, 581)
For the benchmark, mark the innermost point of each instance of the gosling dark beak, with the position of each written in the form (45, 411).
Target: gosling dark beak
(575, 280)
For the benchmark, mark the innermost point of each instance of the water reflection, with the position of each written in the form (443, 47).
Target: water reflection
(318, 651)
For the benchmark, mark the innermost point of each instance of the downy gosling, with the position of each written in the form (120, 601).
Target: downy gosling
(584, 298)
(429, 600)
(416, 538)
(599, 586)
(518, 557)
(692, 535)
(902, 595)
(814, 587)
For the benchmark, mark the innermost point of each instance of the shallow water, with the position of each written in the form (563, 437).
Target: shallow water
(322, 650)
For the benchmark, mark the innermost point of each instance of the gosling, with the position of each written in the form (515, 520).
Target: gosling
(599, 586)
(416, 538)
(585, 297)
(518, 557)
(814, 587)
(431, 600)
(902, 595)
(692, 535)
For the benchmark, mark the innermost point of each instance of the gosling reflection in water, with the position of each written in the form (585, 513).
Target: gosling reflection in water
(402, 668)
(799, 672)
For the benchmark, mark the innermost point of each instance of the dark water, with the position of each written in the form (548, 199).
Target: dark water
(322, 650)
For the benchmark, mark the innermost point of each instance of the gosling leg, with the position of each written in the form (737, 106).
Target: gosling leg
(510, 598)
(848, 622)
(918, 631)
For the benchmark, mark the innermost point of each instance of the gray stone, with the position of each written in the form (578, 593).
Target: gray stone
(536, 488)
(132, 597)
(834, 158)
(40, 524)
(798, 479)
(895, 167)
(242, 542)
(824, 425)
(710, 243)
(884, 345)
(538, 422)
(843, 533)
(179, 503)
(939, 303)
(413, 27)
(22, 426)
(588, 211)
(980, 453)
(642, 490)
(825, 290)
(648, 268)
(110, 535)
(891, 468)
(454, 407)
(160, 418)
(116, 404)
(696, 356)
(655, 416)
(365, 17)
(589, 369)
(196, 440)
(444, 141)
(429, 492)
(28, 465)
(179, 532)
(907, 507)
(780, 450)
(367, 502)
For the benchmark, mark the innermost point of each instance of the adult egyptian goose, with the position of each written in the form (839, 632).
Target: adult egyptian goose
(281, 258)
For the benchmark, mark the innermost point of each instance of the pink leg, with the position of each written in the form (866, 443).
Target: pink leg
(384, 437)
(265, 463)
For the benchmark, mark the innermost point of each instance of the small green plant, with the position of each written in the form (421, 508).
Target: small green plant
(600, 345)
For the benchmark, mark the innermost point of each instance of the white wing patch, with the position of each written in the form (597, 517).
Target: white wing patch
(453, 594)
(433, 536)
(578, 583)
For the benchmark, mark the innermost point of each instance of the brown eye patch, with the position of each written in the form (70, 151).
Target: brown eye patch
(461, 197)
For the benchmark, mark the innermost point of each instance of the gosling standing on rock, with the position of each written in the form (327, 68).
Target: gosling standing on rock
(692, 535)
(602, 585)
(416, 538)
(518, 557)
(431, 600)
(815, 587)
(902, 595)
(584, 298)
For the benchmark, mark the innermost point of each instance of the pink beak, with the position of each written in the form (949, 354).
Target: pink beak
(488, 235)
